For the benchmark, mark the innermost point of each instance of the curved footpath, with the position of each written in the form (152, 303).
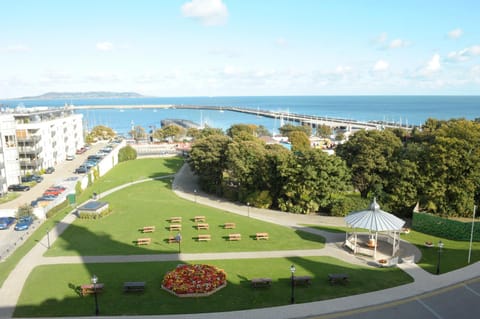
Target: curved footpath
(185, 186)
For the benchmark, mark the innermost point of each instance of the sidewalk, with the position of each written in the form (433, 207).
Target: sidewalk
(184, 186)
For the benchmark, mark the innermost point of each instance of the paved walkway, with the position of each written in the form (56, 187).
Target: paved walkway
(184, 186)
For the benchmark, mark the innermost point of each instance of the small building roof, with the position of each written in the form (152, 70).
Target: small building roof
(374, 219)
(92, 206)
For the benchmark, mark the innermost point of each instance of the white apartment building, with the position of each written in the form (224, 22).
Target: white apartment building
(45, 136)
(9, 160)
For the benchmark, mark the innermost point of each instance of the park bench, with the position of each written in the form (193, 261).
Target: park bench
(205, 237)
(202, 226)
(200, 219)
(90, 289)
(302, 280)
(133, 286)
(144, 241)
(338, 278)
(260, 282)
(148, 229)
(172, 240)
(175, 219)
(229, 225)
(175, 227)
(234, 237)
(259, 236)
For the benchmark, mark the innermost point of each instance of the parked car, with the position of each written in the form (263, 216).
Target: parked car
(32, 178)
(6, 222)
(18, 188)
(81, 151)
(47, 198)
(70, 157)
(24, 223)
(49, 170)
(81, 170)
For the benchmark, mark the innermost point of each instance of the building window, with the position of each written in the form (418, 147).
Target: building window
(10, 141)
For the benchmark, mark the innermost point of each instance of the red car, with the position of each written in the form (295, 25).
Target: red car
(81, 150)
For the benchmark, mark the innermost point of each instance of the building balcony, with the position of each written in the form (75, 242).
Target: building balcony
(29, 139)
(30, 150)
(30, 163)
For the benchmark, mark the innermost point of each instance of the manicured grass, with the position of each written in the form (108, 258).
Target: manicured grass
(454, 254)
(62, 298)
(152, 203)
(8, 197)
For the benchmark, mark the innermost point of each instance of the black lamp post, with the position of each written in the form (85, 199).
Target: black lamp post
(178, 239)
(94, 282)
(292, 270)
(440, 246)
(248, 208)
(195, 195)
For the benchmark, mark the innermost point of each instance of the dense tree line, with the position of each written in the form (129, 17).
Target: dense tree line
(437, 166)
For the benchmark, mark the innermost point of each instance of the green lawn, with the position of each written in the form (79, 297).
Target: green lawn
(153, 203)
(62, 298)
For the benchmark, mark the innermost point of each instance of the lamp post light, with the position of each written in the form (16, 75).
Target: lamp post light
(178, 239)
(292, 270)
(248, 209)
(94, 282)
(48, 238)
(195, 195)
(440, 246)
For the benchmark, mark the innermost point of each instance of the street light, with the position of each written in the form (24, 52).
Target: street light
(440, 246)
(48, 238)
(292, 270)
(178, 239)
(94, 282)
(195, 195)
(248, 207)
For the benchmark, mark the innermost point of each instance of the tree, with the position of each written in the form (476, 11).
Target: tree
(127, 153)
(100, 132)
(138, 133)
(24, 210)
(193, 132)
(158, 134)
(324, 131)
(173, 132)
(299, 141)
(286, 129)
(243, 130)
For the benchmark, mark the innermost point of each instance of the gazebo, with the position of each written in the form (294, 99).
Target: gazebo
(375, 220)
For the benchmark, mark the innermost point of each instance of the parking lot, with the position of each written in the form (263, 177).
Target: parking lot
(63, 175)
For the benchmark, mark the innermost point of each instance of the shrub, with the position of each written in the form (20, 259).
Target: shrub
(24, 210)
(57, 208)
(260, 199)
(95, 216)
(342, 205)
(127, 153)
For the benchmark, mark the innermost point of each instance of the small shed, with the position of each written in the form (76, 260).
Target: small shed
(374, 220)
(93, 207)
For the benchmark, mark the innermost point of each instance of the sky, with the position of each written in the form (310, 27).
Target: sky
(240, 47)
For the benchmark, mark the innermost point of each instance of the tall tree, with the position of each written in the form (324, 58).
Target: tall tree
(299, 141)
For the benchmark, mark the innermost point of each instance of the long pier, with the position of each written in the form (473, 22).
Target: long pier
(302, 119)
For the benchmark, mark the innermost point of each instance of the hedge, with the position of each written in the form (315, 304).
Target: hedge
(445, 228)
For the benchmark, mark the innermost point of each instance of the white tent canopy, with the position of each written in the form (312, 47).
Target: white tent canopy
(375, 220)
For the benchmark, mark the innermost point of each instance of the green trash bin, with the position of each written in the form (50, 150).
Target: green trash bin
(71, 199)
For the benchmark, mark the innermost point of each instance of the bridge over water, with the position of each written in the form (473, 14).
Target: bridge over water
(310, 120)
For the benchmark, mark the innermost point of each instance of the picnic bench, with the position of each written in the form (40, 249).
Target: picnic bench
(259, 236)
(90, 289)
(205, 237)
(202, 226)
(144, 241)
(175, 219)
(175, 227)
(260, 282)
(133, 286)
(200, 219)
(172, 239)
(338, 278)
(148, 229)
(234, 237)
(302, 280)
(229, 225)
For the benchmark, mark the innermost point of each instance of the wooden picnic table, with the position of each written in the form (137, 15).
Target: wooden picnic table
(134, 286)
(175, 227)
(204, 237)
(144, 241)
(338, 278)
(90, 288)
(261, 282)
(177, 219)
(148, 229)
(259, 236)
(229, 225)
(200, 219)
(202, 226)
(302, 280)
(234, 237)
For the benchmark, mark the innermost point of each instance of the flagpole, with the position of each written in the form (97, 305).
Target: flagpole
(471, 233)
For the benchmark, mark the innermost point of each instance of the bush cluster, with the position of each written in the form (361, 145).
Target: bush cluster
(445, 228)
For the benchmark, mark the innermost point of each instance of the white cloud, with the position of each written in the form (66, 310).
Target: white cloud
(455, 33)
(209, 12)
(343, 69)
(398, 43)
(15, 48)
(281, 42)
(381, 66)
(464, 54)
(104, 46)
(381, 38)
(103, 77)
(433, 66)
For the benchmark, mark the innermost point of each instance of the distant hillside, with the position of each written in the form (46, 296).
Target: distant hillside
(82, 95)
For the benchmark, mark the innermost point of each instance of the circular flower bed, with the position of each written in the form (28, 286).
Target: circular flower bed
(194, 280)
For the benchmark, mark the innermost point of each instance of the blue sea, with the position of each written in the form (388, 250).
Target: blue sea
(412, 110)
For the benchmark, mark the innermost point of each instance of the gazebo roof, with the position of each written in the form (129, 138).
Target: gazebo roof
(374, 219)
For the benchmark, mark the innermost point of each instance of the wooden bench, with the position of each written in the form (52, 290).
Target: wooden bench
(302, 280)
(175, 219)
(90, 289)
(172, 240)
(175, 227)
(133, 286)
(234, 237)
(261, 282)
(205, 237)
(202, 226)
(229, 226)
(338, 278)
(259, 236)
(148, 229)
(144, 241)
(200, 219)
